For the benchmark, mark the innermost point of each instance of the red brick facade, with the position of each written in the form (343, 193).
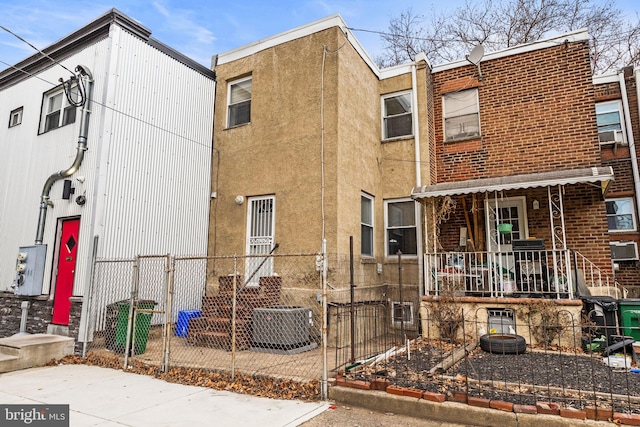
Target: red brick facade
(619, 158)
(536, 115)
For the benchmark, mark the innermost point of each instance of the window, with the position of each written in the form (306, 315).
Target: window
(609, 120)
(620, 214)
(461, 115)
(56, 110)
(400, 224)
(402, 312)
(366, 225)
(397, 115)
(239, 102)
(15, 118)
(624, 251)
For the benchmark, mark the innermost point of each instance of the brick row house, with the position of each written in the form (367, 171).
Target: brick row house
(488, 177)
(616, 97)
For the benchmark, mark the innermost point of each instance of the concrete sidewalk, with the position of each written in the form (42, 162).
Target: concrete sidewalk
(108, 397)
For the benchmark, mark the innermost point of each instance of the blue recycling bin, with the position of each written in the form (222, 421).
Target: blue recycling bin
(182, 325)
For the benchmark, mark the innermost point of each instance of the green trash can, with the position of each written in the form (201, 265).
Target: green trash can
(142, 325)
(630, 317)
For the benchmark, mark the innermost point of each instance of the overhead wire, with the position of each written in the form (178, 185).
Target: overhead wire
(68, 85)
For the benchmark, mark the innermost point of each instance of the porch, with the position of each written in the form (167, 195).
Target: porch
(520, 273)
(538, 235)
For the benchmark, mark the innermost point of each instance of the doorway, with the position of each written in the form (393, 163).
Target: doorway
(65, 270)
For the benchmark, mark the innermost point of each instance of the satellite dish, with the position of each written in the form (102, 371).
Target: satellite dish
(475, 57)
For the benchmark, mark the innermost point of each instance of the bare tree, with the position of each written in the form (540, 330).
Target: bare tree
(498, 24)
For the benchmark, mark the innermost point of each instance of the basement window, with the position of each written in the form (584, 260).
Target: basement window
(401, 312)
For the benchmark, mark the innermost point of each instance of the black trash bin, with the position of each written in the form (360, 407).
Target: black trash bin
(603, 312)
(111, 325)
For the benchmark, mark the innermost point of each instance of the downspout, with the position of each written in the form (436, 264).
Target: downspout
(82, 147)
(630, 139)
(418, 184)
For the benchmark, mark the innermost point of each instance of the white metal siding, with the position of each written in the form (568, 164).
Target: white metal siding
(149, 155)
(159, 155)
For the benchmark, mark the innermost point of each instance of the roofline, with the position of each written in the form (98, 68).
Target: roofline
(331, 21)
(571, 37)
(85, 36)
(606, 78)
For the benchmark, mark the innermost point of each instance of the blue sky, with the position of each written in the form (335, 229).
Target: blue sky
(201, 28)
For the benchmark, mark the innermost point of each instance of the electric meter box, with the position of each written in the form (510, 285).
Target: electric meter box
(30, 263)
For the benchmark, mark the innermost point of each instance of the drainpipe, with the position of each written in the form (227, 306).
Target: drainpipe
(82, 147)
(416, 142)
(630, 139)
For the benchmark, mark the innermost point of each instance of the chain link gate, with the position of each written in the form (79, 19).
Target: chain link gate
(215, 313)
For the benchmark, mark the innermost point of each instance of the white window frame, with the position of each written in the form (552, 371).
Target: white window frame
(618, 243)
(63, 110)
(15, 117)
(620, 135)
(632, 213)
(230, 105)
(387, 227)
(447, 115)
(385, 116)
(407, 309)
(363, 224)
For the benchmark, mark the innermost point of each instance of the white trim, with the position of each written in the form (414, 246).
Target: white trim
(230, 84)
(407, 322)
(573, 36)
(383, 115)
(415, 225)
(519, 202)
(372, 225)
(605, 78)
(633, 215)
(619, 243)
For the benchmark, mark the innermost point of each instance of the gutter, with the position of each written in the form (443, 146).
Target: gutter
(80, 150)
(416, 142)
(630, 139)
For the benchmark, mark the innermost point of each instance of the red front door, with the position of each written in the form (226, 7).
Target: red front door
(66, 271)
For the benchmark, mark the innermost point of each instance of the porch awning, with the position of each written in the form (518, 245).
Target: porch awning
(603, 175)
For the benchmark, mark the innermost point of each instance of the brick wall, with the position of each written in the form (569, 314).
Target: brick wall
(619, 158)
(536, 114)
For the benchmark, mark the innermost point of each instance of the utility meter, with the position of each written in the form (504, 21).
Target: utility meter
(30, 263)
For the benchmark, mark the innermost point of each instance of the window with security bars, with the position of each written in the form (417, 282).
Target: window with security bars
(402, 312)
(239, 111)
(397, 115)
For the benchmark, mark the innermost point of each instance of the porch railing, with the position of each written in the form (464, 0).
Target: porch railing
(531, 273)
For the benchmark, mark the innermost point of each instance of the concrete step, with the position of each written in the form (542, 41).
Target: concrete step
(27, 351)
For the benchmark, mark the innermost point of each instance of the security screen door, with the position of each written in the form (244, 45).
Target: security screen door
(260, 237)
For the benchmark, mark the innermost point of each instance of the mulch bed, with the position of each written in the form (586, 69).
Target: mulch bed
(572, 379)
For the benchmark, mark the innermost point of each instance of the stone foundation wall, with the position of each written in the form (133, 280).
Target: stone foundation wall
(39, 315)
(565, 315)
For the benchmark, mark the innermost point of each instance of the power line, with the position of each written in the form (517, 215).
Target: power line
(111, 108)
(39, 51)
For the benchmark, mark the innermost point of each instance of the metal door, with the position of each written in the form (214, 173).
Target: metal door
(66, 271)
(260, 237)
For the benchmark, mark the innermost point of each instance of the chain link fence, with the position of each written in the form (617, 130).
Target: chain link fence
(252, 315)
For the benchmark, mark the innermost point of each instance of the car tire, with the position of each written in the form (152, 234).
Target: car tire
(503, 343)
